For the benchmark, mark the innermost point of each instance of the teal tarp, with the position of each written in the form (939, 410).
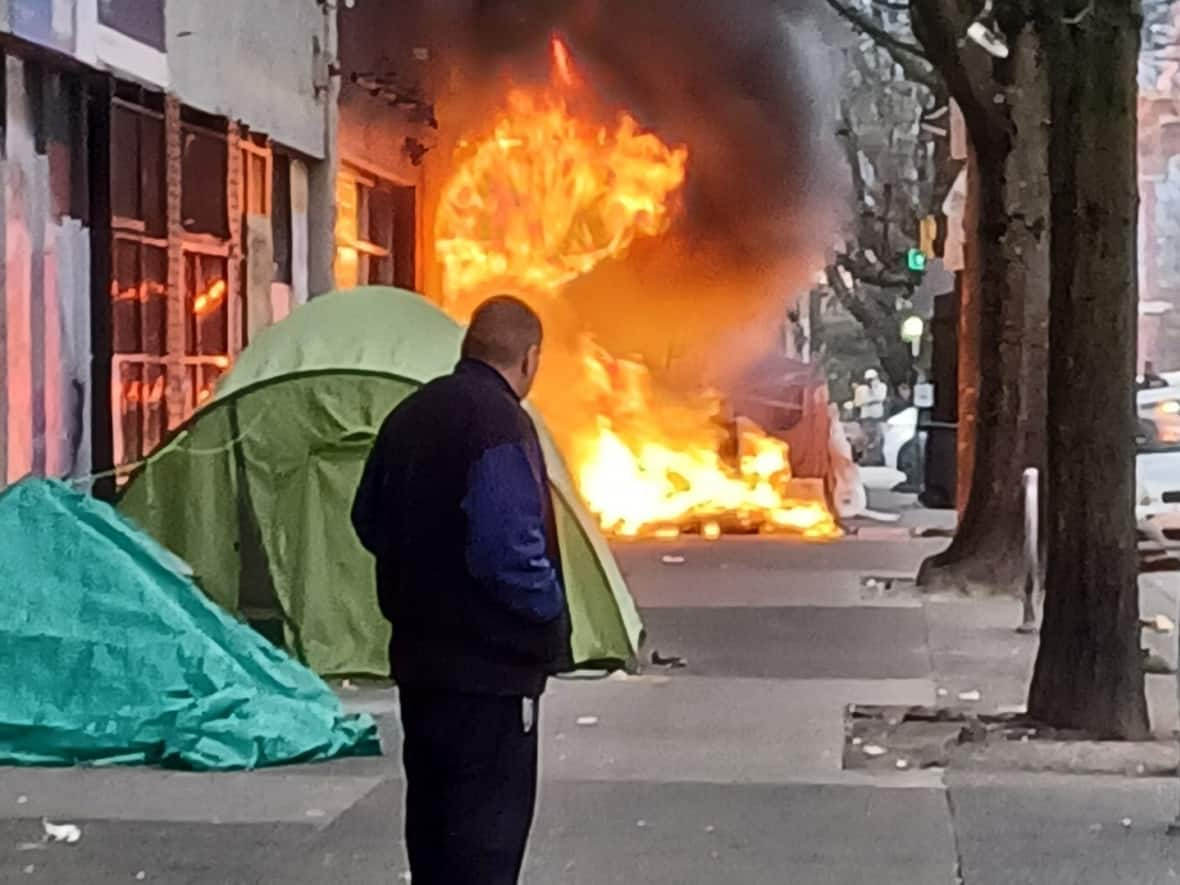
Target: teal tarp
(109, 654)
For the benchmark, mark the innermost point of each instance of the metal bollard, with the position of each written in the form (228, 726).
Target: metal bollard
(1032, 549)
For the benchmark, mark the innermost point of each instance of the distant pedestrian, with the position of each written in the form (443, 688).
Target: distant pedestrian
(870, 399)
(1151, 379)
(454, 504)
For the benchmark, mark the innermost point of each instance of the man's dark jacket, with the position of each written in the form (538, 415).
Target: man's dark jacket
(455, 505)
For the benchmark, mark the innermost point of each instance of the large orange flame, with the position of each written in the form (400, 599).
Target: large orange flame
(543, 199)
(549, 196)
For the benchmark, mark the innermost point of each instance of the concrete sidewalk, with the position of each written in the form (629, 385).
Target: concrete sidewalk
(729, 770)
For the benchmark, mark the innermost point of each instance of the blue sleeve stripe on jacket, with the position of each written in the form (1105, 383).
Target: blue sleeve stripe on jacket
(506, 550)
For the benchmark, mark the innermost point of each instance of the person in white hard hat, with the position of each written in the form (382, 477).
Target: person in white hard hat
(870, 401)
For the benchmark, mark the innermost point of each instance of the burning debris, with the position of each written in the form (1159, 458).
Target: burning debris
(554, 189)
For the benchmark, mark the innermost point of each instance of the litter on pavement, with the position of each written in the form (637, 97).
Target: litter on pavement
(68, 833)
(673, 662)
(1161, 624)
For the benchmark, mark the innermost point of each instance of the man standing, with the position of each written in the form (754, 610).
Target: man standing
(454, 504)
(870, 404)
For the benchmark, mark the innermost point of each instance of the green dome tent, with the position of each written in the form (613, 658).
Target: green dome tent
(254, 491)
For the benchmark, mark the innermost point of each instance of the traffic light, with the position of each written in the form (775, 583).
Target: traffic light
(916, 261)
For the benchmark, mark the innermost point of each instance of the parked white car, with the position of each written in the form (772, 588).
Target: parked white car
(1157, 466)
(1157, 479)
(903, 443)
(1159, 415)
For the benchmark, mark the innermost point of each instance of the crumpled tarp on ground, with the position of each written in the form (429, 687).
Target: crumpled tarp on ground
(110, 655)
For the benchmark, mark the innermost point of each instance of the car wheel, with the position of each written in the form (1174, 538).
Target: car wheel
(909, 462)
(1148, 438)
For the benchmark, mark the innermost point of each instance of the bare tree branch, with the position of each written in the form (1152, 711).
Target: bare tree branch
(880, 320)
(873, 273)
(910, 57)
(940, 26)
(871, 29)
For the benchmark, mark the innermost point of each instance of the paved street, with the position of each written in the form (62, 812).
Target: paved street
(728, 770)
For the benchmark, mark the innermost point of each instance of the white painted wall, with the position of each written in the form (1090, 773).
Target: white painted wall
(254, 62)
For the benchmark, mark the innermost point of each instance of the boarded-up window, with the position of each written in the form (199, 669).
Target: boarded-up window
(256, 184)
(139, 285)
(204, 198)
(375, 231)
(207, 332)
(281, 219)
(140, 297)
(138, 177)
(138, 319)
(405, 237)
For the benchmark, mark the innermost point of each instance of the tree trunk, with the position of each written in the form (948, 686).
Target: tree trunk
(1006, 106)
(1088, 672)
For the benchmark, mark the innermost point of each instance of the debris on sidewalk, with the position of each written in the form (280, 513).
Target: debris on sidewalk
(971, 697)
(875, 587)
(672, 662)
(1161, 624)
(587, 721)
(877, 738)
(673, 560)
(68, 833)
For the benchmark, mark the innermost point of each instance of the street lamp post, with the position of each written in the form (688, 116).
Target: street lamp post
(912, 330)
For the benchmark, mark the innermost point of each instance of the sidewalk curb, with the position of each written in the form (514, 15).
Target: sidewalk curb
(1146, 759)
(884, 739)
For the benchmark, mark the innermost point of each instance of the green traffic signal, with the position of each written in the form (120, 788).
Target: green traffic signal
(916, 260)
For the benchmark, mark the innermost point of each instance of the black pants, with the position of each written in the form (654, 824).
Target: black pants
(471, 773)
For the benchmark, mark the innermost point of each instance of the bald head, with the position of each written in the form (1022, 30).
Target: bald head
(505, 333)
